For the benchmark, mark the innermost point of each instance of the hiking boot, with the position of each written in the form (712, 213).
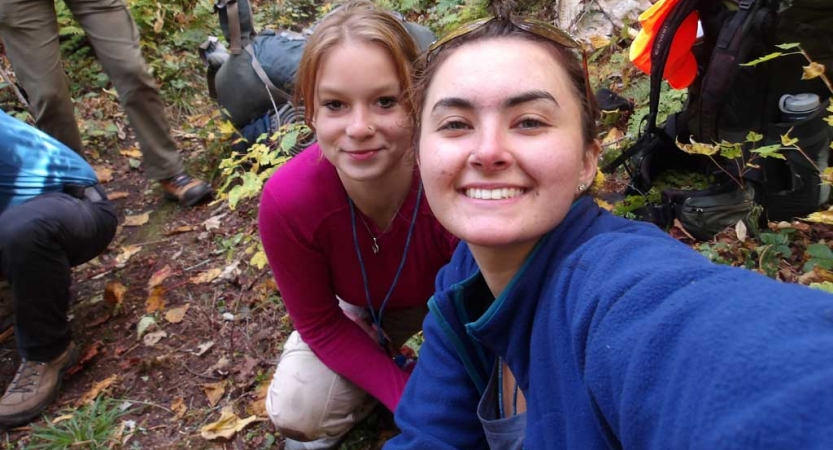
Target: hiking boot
(184, 189)
(34, 387)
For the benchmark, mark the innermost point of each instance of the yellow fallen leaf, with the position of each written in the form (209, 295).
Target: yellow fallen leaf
(814, 70)
(159, 276)
(214, 391)
(98, 388)
(207, 276)
(825, 217)
(199, 120)
(156, 300)
(104, 174)
(227, 426)
(132, 153)
(137, 220)
(60, 419)
(114, 292)
(603, 204)
(179, 409)
(118, 195)
(175, 315)
(126, 253)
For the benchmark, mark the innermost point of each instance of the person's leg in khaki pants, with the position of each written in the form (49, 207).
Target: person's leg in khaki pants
(115, 40)
(315, 407)
(29, 29)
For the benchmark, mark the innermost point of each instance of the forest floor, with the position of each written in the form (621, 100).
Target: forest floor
(180, 325)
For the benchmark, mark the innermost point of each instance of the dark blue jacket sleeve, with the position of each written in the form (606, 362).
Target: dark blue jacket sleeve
(437, 410)
(681, 353)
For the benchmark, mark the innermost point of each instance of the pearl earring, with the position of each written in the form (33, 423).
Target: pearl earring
(582, 187)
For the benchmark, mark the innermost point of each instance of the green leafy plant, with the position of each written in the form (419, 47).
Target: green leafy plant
(93, 426)
(246, 172)
(820, 256)
(774, 247)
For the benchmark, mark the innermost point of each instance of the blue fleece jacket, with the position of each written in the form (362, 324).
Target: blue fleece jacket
(622, 337)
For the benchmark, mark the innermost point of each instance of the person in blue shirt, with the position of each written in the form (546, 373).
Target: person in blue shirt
(53, 215)
(557, 325)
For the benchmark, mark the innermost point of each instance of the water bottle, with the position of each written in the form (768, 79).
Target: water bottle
(798, 107)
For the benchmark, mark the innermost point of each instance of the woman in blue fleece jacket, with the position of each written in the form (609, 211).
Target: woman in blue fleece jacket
(559, 326)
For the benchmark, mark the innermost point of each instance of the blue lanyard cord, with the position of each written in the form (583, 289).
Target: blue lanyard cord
(377, 319)
(500, 392)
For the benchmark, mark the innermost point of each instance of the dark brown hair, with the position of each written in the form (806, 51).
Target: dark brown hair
(501, 28)
(361, 21)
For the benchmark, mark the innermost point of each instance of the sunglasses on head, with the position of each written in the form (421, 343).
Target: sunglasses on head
(528, 24)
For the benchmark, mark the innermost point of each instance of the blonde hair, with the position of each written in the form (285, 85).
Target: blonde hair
(358, 20)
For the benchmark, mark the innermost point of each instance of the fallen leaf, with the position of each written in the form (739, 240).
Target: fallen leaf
(204, 347)
(125, 254)
(98, 388)
(114, 293)
(144, 323)
(134, 163)
(104, 174)
(180, 229)
(814, 70)
(741, 231)
(199, 121)
(614, 135)
(175, 315)
(227, 426)
(92, 351)
(214, 391)
(137, 220)
(159, 276)
(821, 217)
(213, 223)
(153, 338)
(118, 195)
(132, 152)
(156, 300)
(207, 276)
(60, 419)
(257, 406)
(179, 409)
(231, 271)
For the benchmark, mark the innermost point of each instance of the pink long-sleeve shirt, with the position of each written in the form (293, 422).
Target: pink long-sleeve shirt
(307, 234)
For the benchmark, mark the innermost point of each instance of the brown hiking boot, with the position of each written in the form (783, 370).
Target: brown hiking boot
(184, 189)
(34, 387)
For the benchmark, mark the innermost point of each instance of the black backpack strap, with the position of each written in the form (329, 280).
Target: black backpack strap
(659, 57)
(723, 67)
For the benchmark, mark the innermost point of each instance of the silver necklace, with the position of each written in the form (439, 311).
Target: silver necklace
(375, 246)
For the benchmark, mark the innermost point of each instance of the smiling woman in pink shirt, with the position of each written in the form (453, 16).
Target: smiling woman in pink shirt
(350, 238)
